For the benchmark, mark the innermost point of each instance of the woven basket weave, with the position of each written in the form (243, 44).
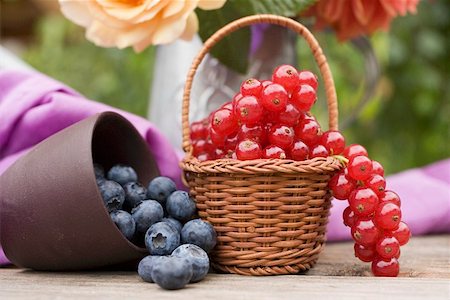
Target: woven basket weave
(270, 214)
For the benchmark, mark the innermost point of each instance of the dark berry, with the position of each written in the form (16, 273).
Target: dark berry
(135, 193)
(161, 239)
(146, 214)
(145, 268)
(112, 193)
(99, 171)
(180, 206)
(160, 188)
(173, 222)
(124, 222)
(122, 174)
(200, 233)
(197, 257)
(171, 272)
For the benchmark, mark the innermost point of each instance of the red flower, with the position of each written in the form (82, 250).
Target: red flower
(351, 18)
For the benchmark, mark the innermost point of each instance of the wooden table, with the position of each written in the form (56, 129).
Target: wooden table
(425, 274)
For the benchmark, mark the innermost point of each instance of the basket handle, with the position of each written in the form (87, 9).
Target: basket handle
(256, 19)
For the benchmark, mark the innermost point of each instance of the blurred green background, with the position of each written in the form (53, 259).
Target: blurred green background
(405, 124)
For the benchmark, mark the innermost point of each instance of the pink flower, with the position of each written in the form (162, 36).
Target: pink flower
(137, 23)
(351, 18)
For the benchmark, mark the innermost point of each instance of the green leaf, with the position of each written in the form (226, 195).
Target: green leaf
(287, 8)
(233, 50)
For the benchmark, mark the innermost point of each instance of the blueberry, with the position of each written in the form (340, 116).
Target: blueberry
(161, 239)
(112, 193)
(180, 206)
(135, 193)
(146, 214)
(160, 188)
(99, 171)
(124, 222)
(174, 222)
(200, 233)
(171, 272)
(197, 257)
(145, 267)
(122, 174)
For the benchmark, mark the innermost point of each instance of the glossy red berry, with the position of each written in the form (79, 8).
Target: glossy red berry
(363, 201)
(251, 87)
(341, 185)
(364, 232)
(354, 150)
(385, 267)
(290, 116)
(299, 151)
(377, 183)
(308, 77)
(348, 216)
(318, 151)
(252, 132)
(229, 105)
(218, 140)
(360, 167)
(281, 136)
(377, 168)
(308, 130)
(236, 98)
(224, 122)
(388, 216)
(402, 233)
(304, 97)
(273, 151)
(390, 196)
(205, 156)
(365, 254)
(265, 83)
(274, 97)
(334, 141)
(387, 247)
(198, 147)
(287, 76)
(219, 153)
(199, 130)
(248, 149)
(248, 110)
(231, 143)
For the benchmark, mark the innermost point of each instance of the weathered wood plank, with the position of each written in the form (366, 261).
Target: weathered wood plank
(425, 266)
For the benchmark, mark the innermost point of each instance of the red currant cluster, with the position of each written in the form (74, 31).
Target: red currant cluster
(267, 119)
(373, 214)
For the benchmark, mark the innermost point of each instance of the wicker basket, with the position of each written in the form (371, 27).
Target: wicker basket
(270, 214)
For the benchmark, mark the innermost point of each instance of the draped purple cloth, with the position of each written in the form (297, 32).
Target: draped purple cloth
(34, 106)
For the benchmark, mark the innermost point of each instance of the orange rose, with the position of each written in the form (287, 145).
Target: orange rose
(351, 18)
(137, 23)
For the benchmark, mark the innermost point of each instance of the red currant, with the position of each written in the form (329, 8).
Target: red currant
(387, 247)
(289, 117)
(354, 150)
(365, 254)
(231, 143)
(360, 167)
(248, 110)
(217, 139)
(308, 77)
(199, 130)
(318, 151)
(265, 83)
(349, 217)
(281, 136)
(388, 216)
(198, 147)
(299, 151)
(334, 141)
(224, 122)
(390, 196)
(363, 201)
(287, 76)
(385, 268)
(377, 183)
(273, 151)
(308, 130)
(252, 132)
(205, 156)
(251, 87)
(377, 168)
(229, 105)
(237, 97)
(304, 97)
(402, 233)
(219, 153)
(274, 97)
(342, 186)
(364, 232)
(248, 149)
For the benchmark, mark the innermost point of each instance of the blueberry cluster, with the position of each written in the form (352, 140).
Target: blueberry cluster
(162, 218)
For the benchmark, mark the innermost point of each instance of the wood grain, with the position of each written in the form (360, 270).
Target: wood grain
(425, 274)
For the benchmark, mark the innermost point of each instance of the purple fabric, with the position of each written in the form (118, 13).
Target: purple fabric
(33, 107)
